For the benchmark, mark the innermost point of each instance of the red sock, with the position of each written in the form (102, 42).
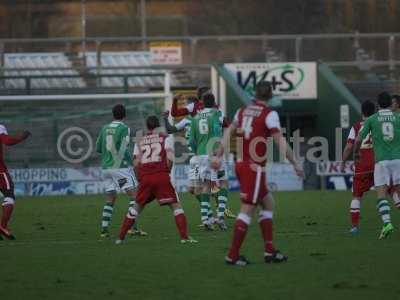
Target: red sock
(126, 225)
(181, 223)
(239, 233)
(7, 212)
(355, 218)
(267, 233)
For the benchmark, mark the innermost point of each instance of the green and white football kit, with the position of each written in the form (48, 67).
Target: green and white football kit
(113, 144)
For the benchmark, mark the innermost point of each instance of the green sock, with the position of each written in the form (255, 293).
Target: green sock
(384, 210)
(204, 207)
(106, 216)
(222, 200)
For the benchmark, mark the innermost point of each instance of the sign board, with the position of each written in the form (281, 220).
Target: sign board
(329, 168)
(166, 53)
(70, 181)
(289, 80)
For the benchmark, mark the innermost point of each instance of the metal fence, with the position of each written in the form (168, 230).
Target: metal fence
(347, 49)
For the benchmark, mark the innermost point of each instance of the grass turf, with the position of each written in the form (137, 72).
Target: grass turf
(58, 254)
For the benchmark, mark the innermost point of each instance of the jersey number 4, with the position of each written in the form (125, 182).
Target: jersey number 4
(151, 153)
(247, 126)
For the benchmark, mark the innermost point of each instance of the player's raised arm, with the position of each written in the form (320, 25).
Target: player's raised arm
(10, 140)
(180, 126)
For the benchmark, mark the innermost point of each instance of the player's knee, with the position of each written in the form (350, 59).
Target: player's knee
(178, 211)
(132, 213)
(244, 217)
(8, 201)
(355, 204)
(265, 215)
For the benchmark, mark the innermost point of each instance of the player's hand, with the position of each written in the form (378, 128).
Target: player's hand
(299, 170)
(165, 114)
(26, 134)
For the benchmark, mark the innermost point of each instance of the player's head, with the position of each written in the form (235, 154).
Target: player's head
(264, 90)
(152, 123)
(395, 102)
(384, 100)
(208, 100)
(367, 108)
(119, 112)
(201, 91)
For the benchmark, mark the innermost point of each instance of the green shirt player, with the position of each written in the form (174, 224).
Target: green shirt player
(204, 138)
(113, 144)
(384, 127)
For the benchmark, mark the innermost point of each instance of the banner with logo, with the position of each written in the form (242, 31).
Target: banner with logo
(70, 181)
(289, 80)
(334, 179)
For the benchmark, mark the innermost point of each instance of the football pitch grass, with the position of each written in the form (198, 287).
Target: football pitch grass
(59, 255)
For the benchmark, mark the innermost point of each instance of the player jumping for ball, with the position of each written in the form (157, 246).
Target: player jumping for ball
(153, 159)
(254, 124)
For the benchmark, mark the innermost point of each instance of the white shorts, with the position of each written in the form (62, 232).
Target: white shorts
(204, 167)
(221, 174)
(387, 172)
(119, 180)
(194, 171)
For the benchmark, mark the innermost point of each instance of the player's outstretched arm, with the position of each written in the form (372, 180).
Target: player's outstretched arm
(13, 140)
(286, 151)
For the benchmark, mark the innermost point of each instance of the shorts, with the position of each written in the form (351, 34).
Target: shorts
(119, 179)
(221, 174)
(362, 183)
(387, 172)
(156, 186)
(204, 167)
(253, 183)
(6, 185)
(194, 174)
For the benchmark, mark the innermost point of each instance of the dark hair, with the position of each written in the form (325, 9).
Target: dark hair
(209, 100)
(119, 112)
(264, 90)
(396, 98)
(191, 99)
(152, 122)
(368, 108)
(384, 100)
(201, 91)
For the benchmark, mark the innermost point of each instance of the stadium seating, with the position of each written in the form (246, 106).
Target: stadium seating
(126, 59)
(40, 61)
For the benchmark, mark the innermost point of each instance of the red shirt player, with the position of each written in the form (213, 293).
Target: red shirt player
(363, 178)
(153, 156)
(195, 104)
(6, 183)
(254, 124)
